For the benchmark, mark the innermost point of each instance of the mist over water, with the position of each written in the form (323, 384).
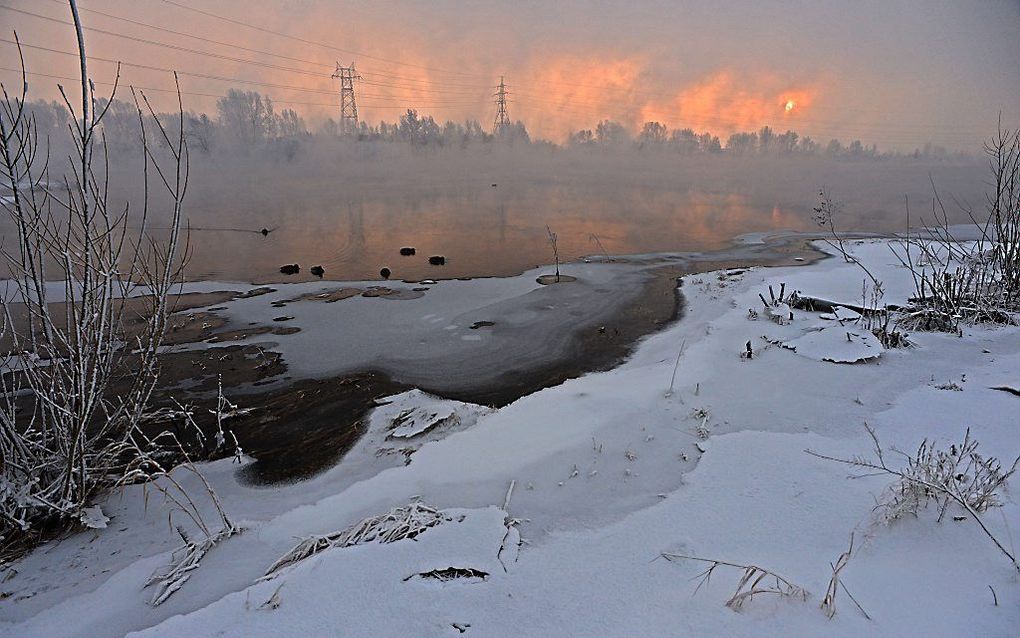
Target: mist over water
(350, 206)
(351, 213)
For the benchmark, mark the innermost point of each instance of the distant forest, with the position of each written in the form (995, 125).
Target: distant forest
(248, 118)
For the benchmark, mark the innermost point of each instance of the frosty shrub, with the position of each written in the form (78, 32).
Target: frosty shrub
(65, 434)
(976, 281)
(957, 475)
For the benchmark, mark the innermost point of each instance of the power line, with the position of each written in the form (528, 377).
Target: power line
(166, 45)
(192, 36)
(217, 95)
(209, 53)
(313, 42)
(204, 76)
(166, 70)
(248, 49)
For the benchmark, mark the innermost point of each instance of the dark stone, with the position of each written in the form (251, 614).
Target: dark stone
(318, 271)
(255, 292)
(265, 232)
(437, 260)
(482, 324)
(283, 318)
(290, 269)
(494, 186)
(385, 273)
(407, 251)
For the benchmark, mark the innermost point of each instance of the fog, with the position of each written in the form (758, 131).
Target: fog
(485, 204)
(632, 127)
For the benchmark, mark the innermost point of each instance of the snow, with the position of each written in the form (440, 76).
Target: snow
(412, 413)
(93, 518)
(838, 344)
(432, 332)
(610, 471)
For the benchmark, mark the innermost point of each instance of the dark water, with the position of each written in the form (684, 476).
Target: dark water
(480, 233)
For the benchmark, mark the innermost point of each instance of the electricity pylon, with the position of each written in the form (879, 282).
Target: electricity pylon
(348, 105)
(502, 119)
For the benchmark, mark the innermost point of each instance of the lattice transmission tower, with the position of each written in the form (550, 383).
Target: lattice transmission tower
(502, 119)
(348, 105)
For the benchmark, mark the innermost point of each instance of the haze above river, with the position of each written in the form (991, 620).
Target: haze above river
(350, 208)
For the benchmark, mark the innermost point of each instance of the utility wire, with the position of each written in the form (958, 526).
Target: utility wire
(251, 50)
(212, 54)
(314, 43)
(209, 95)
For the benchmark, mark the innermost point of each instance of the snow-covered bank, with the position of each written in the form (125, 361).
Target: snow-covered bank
(610, 470)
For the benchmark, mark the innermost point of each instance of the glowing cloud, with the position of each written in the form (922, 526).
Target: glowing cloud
(723, 105)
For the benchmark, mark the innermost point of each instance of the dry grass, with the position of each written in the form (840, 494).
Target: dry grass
(754, 581)
(829, 600)
(956, 475)
(400, 523)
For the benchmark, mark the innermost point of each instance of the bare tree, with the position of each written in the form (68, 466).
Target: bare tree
(556, 251)
(978, 280)
(1003, 152)
(63, 432)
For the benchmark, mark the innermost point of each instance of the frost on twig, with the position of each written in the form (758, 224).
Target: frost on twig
(147, 469)
(510, 546)
(183, 561)
(405, 522)
(829, 601)
(86, 351)
(945, 476)
(754, 581)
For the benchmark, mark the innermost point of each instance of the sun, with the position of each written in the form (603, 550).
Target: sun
(790, 104)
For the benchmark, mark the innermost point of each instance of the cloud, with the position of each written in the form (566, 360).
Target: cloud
(724, 103)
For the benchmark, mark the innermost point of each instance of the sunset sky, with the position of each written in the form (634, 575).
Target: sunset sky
(897, 74)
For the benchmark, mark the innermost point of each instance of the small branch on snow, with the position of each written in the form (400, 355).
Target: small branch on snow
(756, 580)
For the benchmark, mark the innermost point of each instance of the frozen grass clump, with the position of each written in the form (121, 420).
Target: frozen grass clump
(405, 522)
(975, 281)
(957, 475)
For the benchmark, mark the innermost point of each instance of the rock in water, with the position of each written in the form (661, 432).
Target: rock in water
(437, 260)
(385, 272)
(265, 232)
(290, 269)
(407, 251)
(318, 271)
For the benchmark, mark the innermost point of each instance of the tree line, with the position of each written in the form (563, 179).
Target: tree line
(248, 118)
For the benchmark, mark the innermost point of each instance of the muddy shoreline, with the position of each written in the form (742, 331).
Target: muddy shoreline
(307, 425)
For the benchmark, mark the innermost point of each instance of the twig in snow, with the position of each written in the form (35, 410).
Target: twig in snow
(755, 580)
(829, 601)
(676, 366)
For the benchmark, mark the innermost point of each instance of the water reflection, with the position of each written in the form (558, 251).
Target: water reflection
(495, 233)
(355, 226)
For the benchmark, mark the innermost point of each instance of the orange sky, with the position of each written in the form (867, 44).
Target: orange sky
(874, 73)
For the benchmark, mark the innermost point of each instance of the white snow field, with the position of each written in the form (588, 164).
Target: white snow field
(608, 472)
